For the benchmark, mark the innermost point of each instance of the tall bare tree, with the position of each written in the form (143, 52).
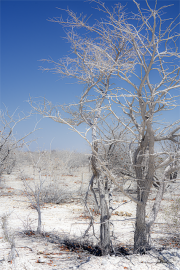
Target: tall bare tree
(138, 51)
(156, 46)
(91, 67)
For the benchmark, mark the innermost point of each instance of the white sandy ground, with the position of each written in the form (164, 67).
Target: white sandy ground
(37, 252)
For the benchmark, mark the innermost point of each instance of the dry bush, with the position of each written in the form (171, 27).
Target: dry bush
(23, 159)
(7, 156)
(52, 165)
(9, 237)
(172, 216)
(47, 193)
(57, 162)
(52, 193)
(66, 162)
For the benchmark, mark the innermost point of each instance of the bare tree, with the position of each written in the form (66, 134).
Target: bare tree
(33, 191)
(8, 141)
(156, 49)
(92, 68)
(139, 53)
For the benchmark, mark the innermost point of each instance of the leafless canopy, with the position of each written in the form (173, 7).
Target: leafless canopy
(140, 51)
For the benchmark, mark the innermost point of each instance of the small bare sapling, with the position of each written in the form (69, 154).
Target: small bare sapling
(34, 196)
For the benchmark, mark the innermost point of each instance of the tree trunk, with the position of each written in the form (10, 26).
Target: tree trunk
(104, 227)
(39, 220)
(140, 235)
(144, 167)
(13, 250)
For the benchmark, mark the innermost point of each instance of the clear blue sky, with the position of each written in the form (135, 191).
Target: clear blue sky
(26, 37)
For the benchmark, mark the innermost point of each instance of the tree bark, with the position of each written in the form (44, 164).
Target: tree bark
(140, 235)
(144, 167)
(104, 219)
(143, 188)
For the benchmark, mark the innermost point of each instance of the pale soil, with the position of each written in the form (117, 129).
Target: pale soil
(69, 220)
